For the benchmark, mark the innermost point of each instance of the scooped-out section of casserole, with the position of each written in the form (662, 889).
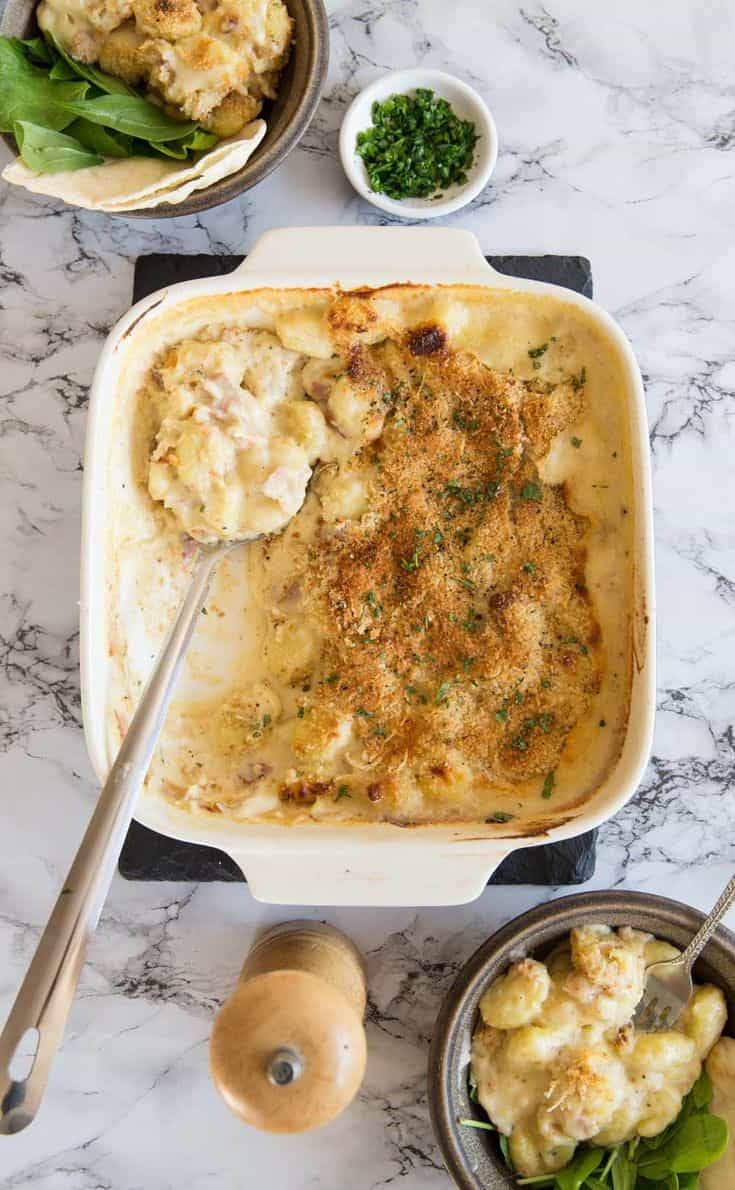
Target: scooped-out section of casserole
(443, 631)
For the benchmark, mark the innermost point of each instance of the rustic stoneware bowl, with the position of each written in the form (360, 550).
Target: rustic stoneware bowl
(287, 117)
(471, 1155)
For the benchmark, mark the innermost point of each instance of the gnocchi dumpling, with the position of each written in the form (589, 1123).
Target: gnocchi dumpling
(534, 1045)
(291, 650)
(530, 1157)
(248, 715)
(322, 734)
(584, 1094)
(660, 1051)
(306, 330)
(516, 998)
(306, 425)
(356, 412)
(343, 496)
(660, 1109)
(704, 1018)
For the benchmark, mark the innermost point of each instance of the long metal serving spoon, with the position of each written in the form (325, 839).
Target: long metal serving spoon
(47, 992)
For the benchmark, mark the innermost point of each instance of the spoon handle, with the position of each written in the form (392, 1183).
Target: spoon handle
(47, 992)
(709, 925)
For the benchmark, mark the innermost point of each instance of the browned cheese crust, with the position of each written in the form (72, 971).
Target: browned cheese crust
(454, 614)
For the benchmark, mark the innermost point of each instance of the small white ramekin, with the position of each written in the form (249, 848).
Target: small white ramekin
(466, 103)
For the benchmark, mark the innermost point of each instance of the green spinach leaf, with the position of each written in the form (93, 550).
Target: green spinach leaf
(46, 151)
(34, 49)
(99, 140)
(61, 72)
(106, 82)
(27, 94)
(200, 140)
(701, 1092)
(574, 1175)
(623, 1172)
(701, 1140)
(134, 116)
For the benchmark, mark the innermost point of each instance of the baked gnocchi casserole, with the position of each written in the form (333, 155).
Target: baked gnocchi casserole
(213, 61)
(442, 630)
(556, 1060)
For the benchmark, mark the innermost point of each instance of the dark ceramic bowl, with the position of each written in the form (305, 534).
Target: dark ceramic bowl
(471, 1155)
(287, 117)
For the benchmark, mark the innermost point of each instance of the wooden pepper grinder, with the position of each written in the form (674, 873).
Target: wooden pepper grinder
(288, 1049)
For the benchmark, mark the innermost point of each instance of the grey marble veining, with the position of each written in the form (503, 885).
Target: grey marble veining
(617, 129)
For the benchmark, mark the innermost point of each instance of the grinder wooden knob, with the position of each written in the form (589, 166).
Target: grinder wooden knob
(288, 1048)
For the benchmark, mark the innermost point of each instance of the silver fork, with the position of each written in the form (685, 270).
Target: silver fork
(669, 984)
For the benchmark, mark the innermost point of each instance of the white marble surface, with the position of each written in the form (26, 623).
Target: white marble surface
(617, 127)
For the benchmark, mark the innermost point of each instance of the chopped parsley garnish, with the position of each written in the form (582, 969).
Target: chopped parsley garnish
(416, 146)
(438, 537)
(300, 713)
(258, 727)
(502, 715)
(461, 422)
(576, 442)
(529, 567)
(549, 783)
(543, 722)
(375, 607)
(531, 491)
(441, 697)
(472, 622)
(535, 354)
(343, 791)
(578, 382)
(574, 640)
(413, 562)
(518, 698)
(363, 713)
(469, 496)
(500, 816)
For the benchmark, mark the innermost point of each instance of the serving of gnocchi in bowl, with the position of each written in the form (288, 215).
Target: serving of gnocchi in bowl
(536, 1063)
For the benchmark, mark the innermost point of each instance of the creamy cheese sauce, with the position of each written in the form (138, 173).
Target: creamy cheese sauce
(228, 746)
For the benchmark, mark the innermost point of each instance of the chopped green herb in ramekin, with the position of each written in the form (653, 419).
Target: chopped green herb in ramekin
(417, 146)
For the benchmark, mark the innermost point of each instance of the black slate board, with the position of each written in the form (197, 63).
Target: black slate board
(150, 856)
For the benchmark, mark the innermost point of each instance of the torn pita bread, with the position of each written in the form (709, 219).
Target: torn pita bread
(132, 183)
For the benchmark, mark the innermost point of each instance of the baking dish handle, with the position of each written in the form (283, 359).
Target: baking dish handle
(371, 255)
(372, 874)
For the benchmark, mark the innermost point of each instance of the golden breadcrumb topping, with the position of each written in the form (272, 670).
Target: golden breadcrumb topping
(454, 614)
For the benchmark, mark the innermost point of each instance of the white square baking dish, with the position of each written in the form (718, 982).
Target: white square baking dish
(381, 863)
